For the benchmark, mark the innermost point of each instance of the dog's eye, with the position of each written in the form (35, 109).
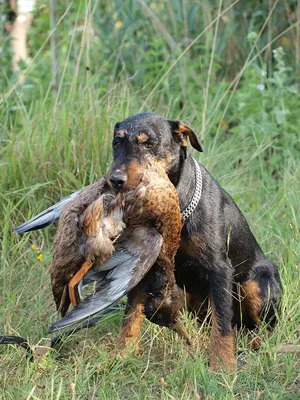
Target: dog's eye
(148, 145)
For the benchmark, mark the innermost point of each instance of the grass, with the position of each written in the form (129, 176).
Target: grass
(53, 144)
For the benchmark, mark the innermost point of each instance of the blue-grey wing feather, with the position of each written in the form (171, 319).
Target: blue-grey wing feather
(46, 217)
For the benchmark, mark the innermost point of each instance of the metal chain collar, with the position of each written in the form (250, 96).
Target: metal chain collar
(197, 193)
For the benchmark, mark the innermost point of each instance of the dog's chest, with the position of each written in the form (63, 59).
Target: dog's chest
(192, 245)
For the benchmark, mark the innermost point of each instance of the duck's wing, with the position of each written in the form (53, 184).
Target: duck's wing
(136, 252)
(108, 313)
(46, 217)
(79, 202)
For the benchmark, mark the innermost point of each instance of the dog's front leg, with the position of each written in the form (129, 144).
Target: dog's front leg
(222, 337)
(133, 319)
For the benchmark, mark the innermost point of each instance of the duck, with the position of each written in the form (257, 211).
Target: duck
(125, 243)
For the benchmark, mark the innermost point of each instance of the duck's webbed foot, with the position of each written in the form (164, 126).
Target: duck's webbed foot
(72, 286)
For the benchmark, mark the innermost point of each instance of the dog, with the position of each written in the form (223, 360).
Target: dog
(218, 255)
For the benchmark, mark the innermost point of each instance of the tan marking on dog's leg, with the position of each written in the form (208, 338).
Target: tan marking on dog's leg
(132, 323)
(222, 347)
(87, 265)
(252, 301)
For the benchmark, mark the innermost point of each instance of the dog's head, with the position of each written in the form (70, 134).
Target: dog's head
(148, 138)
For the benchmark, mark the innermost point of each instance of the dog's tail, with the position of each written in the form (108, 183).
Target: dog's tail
(46, 217)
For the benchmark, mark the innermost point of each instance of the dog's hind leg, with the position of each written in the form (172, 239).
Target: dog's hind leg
(222, 337)
(251, 303)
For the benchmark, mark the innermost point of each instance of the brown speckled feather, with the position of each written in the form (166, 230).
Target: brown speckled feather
(67, 257)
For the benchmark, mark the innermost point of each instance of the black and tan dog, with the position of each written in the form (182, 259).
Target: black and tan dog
(218, 255)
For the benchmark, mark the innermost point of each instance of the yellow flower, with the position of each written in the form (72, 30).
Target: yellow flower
(40, 257)
(34, 247)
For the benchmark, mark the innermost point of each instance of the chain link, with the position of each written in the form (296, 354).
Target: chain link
(197, 193)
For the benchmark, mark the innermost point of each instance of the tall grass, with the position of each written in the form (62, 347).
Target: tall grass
(116, 60)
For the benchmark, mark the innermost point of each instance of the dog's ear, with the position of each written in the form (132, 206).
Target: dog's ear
(180, 133)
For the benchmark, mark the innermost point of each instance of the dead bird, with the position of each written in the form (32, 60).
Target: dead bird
(85, 237)
(146, 216)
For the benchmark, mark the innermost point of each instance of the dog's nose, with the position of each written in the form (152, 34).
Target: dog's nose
(118, 179)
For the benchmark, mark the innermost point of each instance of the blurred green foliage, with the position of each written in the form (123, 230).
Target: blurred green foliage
(126, 39)
(224, 82)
